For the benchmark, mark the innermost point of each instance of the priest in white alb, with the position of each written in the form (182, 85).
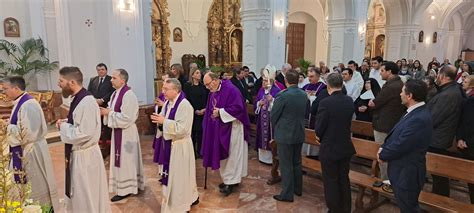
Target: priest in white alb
(226, 127)
(86, 180)
(126, 166)
(177, 165)
(26, 137)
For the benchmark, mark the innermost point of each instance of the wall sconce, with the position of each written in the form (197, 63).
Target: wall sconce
(427, 40)
(126, 5)
(279, 23)
(433, 17)
(361, 32)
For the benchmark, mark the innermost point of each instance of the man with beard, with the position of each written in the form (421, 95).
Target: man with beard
(86, 184)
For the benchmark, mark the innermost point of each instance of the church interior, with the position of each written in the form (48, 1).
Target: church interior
(148, 37)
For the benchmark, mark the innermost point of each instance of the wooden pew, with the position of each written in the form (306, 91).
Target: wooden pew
(362, 129)
(436, 164)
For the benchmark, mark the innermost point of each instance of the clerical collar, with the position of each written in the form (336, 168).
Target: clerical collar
(413, 107)
(219, 87)
(17, 99)
(175, 99)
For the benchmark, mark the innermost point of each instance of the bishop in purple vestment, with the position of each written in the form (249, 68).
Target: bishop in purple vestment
(225, 132)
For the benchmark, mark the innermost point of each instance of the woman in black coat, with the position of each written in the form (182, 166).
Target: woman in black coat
(196, 93)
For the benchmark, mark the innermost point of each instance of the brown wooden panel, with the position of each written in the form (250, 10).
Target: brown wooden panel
(362, 128)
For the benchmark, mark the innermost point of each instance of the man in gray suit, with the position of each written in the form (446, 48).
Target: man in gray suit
(288, 118)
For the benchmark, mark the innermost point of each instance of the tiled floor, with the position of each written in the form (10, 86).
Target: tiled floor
(254, 195)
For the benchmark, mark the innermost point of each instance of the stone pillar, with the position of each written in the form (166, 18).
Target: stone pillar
(401, 41)
(347, 35)
(131, 46)
(264, 33)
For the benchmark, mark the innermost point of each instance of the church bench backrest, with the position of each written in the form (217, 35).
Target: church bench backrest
(310, 136)
(454, 168)
(365, 148)
(363, 128)
(250, 110)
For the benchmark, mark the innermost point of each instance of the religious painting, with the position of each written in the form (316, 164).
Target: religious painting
(420, 37)
(177, 35)
(235, 45)
(435, 37)
(11, 27)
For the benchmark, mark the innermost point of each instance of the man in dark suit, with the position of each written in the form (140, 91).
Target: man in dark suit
(239, 81)
(333, 130)
(288, 118)
(406, 145)
(101, 88)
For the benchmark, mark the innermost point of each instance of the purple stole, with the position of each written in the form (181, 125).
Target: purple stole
(68, 147)
(264, 130)
(118, 131)
(163, 147)
(17, 151)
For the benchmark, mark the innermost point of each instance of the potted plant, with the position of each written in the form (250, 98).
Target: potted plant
(25, 59)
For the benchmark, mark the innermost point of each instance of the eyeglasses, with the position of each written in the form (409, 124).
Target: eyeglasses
(207, 85)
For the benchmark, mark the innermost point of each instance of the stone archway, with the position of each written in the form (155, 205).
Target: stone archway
(161, 36)
(223, 20)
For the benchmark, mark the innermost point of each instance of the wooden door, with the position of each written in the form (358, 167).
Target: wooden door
(295, 43)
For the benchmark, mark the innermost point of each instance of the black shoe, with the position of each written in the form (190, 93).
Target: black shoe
(227, 190)
(277, 197)
(222, 185)
(118, 198)
(299, 194)
(195, 202)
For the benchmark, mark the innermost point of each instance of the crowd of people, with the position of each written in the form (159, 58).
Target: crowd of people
(204, 115)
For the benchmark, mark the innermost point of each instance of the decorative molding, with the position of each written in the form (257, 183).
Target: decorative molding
(263, 25)
(161, 35)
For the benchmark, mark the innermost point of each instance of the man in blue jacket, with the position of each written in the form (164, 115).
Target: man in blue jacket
(405, 147)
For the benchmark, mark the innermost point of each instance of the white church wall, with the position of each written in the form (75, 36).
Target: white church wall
(427, 50)
(191, 17)
(316, 42)
(469, 42)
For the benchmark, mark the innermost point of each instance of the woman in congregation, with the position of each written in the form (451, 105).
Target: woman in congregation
(418, 72)
(197, 94)
(465, 135)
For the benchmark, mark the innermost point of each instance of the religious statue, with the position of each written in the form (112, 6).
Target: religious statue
(435, 37)
(235, 48)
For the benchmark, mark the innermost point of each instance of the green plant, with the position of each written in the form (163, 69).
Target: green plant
(303, 64)
(201, 64)
(29, 56)
(217, 69)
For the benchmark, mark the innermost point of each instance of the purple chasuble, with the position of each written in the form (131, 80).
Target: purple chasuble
(17, 151)
(118, 131)
(264, 129)
(68, 147)
(317, 87)
(163, 147)
(216, 134)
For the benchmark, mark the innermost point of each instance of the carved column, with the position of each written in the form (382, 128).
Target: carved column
(264, 33)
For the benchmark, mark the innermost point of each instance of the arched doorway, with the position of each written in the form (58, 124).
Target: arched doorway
(375, 36)
(161, 36)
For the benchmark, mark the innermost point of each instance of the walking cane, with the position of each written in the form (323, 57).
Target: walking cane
(205, 179)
